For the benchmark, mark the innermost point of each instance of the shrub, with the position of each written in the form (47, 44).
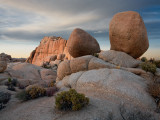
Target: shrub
(36, 92)
(51, 91)
(149, 67)
(144, 59)
(14, 82)
(96, 55)
(4, 98)
(154, 90)
(11, 87)
(51, 84)
(157, 63)
(9, 80)
(23, 96)
(71, 100)
(31, 93)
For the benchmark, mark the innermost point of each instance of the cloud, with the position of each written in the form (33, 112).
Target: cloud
(30, 20)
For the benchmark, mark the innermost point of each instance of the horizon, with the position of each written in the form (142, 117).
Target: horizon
(23, 24)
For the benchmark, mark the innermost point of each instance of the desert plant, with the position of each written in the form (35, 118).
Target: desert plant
(4, 98)
(51, 84)
(9, 80)
(157, 63)
(144, 59)
(154, 91)
(36, 92)
(71, 100)
(14, 82)
(96, 55)
(11, 87)
(148, 67)
(22, 95)
(51, 91)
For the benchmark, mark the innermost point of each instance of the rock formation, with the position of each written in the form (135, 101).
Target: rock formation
(119, 58)
(8, 58)
(81, 43)
(128, 34)
(3, 66)
(106, 80)
(50, 49)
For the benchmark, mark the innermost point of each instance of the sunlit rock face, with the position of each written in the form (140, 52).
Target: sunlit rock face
(50, 47)
(128, 34)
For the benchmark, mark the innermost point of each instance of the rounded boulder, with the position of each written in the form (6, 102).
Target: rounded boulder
(128, 34)
(81, 43)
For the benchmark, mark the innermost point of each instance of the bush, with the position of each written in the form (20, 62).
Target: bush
(23, 96)
(154, 90)
(36, 92)
(51, 91)
(157, 63)
(96, 55)
(4, 98)
(144, 59)
(71, 100)
(51, 84)
(149, 67)
(31, 93)
(14, 82)
(11, 87)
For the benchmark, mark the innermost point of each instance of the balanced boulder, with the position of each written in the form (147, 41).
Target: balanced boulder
(128, 34)
(81, 43)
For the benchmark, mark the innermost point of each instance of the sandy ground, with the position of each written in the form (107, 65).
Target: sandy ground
(43, 109)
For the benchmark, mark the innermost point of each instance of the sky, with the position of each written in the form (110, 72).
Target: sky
(23, 23)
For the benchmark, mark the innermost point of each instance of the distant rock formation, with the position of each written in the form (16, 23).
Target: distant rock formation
(128, 34)
(81, 43)
(8, 58)
(50, 49)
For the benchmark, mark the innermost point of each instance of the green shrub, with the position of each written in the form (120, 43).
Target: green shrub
(157, 63)
(144, 59)
(71, 100)
(31, 93)
(23, 96)
(149, 67)
(36, 92)
(4, 98)
(9, 80)
(96, 55)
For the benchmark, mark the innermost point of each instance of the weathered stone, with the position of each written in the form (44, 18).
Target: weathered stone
(128, 34)
(119, 58)
(81, 43)
(49, 46)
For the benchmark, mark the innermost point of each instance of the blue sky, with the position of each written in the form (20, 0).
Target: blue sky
(23, 23)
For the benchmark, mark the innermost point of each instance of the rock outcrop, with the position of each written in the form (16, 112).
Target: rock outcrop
(27, 74)
(111, 84)
(81, 43)
(83, 63)
(49, 49)
(119, 58)
(8, 58)
(128, 34)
